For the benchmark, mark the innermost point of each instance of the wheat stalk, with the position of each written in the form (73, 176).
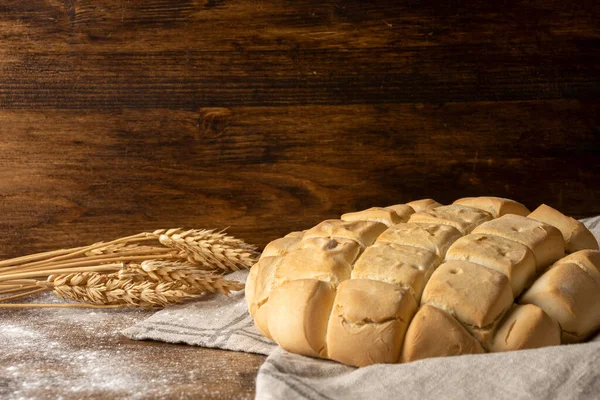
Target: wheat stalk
(46, 258)
(182, 272)
(209, 249)
(147, 269)
(97, 255)
(161, 270)
(60, 305)
(134, 287)
(121, 248)
(17, 277)
(100, 289)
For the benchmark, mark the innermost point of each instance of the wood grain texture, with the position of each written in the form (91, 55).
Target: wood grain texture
(266, 117)
(72, 177)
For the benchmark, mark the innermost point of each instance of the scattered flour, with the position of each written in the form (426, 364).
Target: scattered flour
(74, 353)
(39, 350)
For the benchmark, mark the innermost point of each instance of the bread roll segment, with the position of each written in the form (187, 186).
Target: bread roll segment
(314, 263)
(588, 260)
(385, 216)
(363, 232)
(497, 206)
(432, 237)
(545, 241)
(526, 327)
(575, 234)
(406, 266)
(336, 247)
(434, 333)
(261, 319)
(512, 259)
(368, 322)
(463, 218)
(262, 287)
(423, 204)
(250, 286)
(279, 247)
(264, 282)
(474, 294)
(298, 316)
(404, 211)
(570, 296)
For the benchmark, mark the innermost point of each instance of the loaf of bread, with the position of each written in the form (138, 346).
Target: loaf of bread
(411, 281)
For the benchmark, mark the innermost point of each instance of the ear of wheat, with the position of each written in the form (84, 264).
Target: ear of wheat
(209, 249)
(103, 289)
(179, 272)
(150, 269)
(96, 288)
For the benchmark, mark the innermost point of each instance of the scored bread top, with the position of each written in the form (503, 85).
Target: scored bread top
(348, 289)
(387, 216)
(325, 259)
(311, 300)
(576, 235)
(588, 260)
(336, 247)
(264, 283)
(368, 311)
(363, 232)
(423, 204)
(279, 247)
(404, 211)
(463, 218)
(512, 259)
(571, 297)
(434, 333)
(406, 266)
(432, 237)
(545, 241)
(474, 294)
(526, 327)
(496, 206)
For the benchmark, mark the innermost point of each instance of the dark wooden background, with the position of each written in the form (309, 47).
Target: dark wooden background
(265, 117)
(268, 116)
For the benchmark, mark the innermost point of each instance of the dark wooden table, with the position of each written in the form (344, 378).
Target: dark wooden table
(268, 116)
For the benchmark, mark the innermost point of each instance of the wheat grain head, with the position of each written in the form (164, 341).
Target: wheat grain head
(209, 249)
